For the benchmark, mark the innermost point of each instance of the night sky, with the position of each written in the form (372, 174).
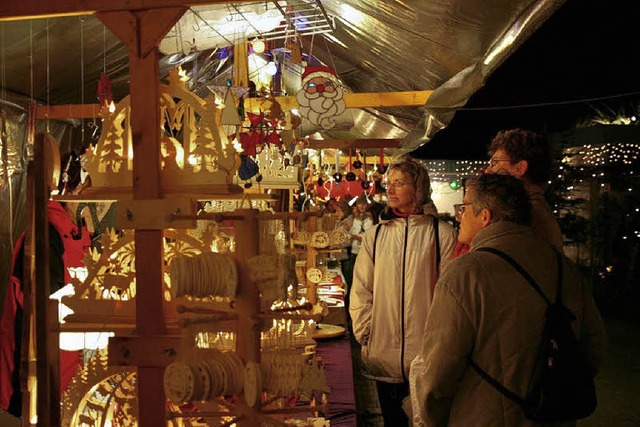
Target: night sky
(588, 49)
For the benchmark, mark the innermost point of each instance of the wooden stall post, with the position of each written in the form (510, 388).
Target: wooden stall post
(141, 31)
(311, 263)
(248, 296)
(36, 285)
(248, 345)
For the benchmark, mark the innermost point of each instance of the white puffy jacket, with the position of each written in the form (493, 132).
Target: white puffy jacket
(391, 299)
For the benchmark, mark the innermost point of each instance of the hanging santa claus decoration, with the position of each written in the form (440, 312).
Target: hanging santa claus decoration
(321, 98)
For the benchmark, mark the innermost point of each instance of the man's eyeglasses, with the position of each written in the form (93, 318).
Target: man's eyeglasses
(459, 209)
(494, 162)
(397, 184)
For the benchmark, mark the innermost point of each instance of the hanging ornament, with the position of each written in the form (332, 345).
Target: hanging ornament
(365, 184)
(105, 95)
(337, 177)
(320, 182)
(382, 168)
(357, 164)
(320, 83)
(295, 50)
(351, 176)
(230, 112)
(248, 168)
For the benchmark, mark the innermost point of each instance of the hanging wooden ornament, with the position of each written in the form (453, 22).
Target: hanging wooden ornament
(230, 115)
(350, 175)
(105, 95)
(382, 168)
(337, 176)
(357, 164)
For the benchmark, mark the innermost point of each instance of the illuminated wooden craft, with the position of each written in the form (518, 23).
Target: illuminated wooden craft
(111, 272)
(99, 394)
(196, 155)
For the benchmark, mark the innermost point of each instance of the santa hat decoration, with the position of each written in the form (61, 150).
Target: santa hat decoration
(311, 72)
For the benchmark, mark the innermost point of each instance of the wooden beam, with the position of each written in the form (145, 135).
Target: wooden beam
(68, 111)
(27, 9)
(353, 100)
(354, 143)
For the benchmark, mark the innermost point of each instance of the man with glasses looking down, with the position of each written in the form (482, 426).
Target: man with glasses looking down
(527, 156)
(485, 311)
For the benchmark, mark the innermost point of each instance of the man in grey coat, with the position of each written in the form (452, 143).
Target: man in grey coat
(484, 310)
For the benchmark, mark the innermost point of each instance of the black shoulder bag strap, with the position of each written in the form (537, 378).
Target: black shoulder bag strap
(436, 231)
(375, 242)
(485, 376)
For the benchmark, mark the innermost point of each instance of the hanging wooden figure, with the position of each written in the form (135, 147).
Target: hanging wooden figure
(321, 98)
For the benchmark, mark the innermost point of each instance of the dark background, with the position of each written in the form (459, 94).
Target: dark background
(583, 62)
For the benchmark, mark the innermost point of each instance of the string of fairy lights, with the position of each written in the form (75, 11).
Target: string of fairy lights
(607, 154)
(604, 164)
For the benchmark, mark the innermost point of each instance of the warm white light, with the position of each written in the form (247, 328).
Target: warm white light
(112, 107)
(236, 145)
(193, 160)
(183, 74)
(258, 46)
(271, 69)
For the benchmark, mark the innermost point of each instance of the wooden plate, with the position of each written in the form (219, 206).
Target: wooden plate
(326, 331)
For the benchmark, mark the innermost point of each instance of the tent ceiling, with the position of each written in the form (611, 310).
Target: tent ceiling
(449, 46)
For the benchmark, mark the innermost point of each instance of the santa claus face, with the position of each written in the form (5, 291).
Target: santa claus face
(319, 85)
(321, 100)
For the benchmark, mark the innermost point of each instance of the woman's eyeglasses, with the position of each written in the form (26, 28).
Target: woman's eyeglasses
(397, 184)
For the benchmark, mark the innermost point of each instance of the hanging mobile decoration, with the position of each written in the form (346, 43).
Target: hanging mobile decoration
(351, 176)
(248, 169)
(321, 98)
(230, 116)
(382, 168)
(105, 95)
(337, 177)
(357, 164)
(295, 50)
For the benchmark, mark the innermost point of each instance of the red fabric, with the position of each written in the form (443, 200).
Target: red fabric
(73, 255)
(461, 249)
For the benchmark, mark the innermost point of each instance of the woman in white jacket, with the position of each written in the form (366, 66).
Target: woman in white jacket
(395, 273)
